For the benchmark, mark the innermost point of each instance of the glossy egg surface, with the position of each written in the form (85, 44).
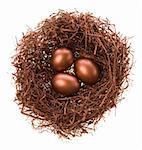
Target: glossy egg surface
(86, 70)
(65, 84)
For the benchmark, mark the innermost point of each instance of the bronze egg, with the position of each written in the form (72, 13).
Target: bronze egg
(86, 70)
(62, 59)
(65, 84)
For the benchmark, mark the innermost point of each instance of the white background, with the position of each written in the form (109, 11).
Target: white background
(122, 128)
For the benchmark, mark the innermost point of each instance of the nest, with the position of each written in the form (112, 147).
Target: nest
(87, 36)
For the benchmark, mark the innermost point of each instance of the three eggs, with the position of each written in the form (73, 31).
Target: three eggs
(66, 84)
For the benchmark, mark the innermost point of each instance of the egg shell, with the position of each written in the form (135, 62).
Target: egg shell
(65, 84)
(86, 70)
(61, 59)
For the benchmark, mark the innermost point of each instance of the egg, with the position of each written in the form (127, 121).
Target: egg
(61, 59)
(65, 84)
(86, 70)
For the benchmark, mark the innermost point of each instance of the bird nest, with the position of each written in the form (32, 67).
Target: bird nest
(86, 36)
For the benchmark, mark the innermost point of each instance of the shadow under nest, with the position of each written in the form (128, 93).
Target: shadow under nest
(87, 37)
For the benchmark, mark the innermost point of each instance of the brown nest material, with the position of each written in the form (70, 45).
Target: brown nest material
(87, 36)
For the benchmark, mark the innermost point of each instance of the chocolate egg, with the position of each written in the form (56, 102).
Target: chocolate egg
(65, 84)
(86, 70)
(62, 59)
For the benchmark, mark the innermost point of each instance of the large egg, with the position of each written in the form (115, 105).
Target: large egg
(62, 59)
(86, 70)
(65, 84)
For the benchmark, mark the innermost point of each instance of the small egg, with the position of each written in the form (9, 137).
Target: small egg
(62, 59)
(86, 70)
(65, 84)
